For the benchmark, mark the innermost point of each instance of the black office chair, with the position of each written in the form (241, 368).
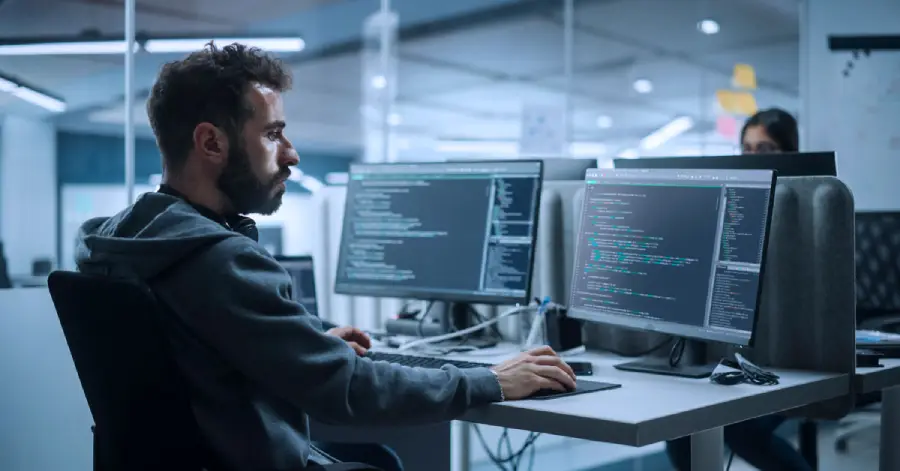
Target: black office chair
(142, 414)
(5, 282)
(138, 398)
(877, 301)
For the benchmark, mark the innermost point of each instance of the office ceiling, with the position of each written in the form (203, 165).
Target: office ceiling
(466, 68)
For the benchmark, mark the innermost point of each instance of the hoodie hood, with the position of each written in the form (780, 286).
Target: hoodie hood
(145, 239)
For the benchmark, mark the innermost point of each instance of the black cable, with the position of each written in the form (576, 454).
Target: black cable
(676, 353)
(513, 459)
(422, 317)
(730, 459)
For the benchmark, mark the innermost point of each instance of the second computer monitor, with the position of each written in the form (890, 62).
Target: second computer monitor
(303, 276)
(679, 252)
(459, 232)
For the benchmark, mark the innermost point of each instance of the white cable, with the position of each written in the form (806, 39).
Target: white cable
(460, 333)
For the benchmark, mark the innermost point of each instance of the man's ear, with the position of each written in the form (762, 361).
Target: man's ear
(211, 143)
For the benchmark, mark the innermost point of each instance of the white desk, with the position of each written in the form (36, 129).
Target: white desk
(652, 408)
(887, 380)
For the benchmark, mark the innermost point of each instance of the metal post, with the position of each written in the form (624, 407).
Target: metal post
(387, 92)
(568, 54)
(129, 100)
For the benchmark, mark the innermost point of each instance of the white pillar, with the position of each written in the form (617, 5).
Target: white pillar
(28, 187)
(379, 85)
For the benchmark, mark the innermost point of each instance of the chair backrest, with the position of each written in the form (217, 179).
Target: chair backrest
(877, 263)
(5, 282)
(139, 401)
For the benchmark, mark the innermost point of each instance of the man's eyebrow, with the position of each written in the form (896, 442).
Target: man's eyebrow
(275, 125)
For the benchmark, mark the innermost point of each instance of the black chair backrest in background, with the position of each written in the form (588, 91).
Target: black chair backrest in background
(139, 401)
(877, 264)
(5, 282)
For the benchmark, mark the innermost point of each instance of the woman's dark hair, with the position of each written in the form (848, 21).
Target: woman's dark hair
(779, 125)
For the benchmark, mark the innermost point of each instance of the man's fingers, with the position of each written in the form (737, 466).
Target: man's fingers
(547, 383)
(542, 351)
(362, 338)
(359, 349)
(557, 374)
(557, 362)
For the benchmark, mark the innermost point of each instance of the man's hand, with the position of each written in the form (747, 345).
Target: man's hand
(357, 339)
(532, 371)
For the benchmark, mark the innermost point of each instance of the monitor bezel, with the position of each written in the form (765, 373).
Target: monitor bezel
(405, 293)
(779, 162)
(312, 265)
(751, 340)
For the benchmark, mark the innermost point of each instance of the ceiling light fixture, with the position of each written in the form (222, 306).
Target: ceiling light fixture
(604, 122)
(708, 27)
(394, 119)
(628, 154)
(176, 45)
(666, 133)
(643, 86)
(151, 45)
(64, 48)
(511, 148)
(379, 82)
(32, 96)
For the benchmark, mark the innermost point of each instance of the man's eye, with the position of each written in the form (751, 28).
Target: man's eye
(275, 135)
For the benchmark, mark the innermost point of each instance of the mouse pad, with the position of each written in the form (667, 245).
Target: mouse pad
(581, 387)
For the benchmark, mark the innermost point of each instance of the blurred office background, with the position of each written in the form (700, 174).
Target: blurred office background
(410, 80)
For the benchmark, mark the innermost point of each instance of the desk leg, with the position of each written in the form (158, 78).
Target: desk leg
(889, 455)
(708, 450)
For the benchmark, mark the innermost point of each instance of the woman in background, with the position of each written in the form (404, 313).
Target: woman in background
(755, 441)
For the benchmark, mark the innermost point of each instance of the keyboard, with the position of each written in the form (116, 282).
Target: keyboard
(581, 387)
(421, 362)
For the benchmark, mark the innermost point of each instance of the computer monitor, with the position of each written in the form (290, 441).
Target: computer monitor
(803, 164)
(562, 168)
(458, 232)
(303, 275)
(679, 252)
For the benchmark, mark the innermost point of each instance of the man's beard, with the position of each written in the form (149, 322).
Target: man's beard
(245, 191)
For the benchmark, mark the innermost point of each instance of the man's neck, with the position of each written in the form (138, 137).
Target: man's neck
(197, 193)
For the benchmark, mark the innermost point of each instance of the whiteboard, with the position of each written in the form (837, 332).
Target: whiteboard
(866, 126)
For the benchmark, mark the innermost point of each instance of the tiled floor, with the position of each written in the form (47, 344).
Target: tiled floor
(577, 455)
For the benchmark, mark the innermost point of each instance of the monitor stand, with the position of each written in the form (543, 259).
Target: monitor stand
(686, 364)
(457, 316)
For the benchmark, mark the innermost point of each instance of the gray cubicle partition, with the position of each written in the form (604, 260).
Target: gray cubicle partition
(808, 310)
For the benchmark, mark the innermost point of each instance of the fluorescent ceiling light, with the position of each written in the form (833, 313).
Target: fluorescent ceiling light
(310, 183)
(604, 122)
(65, 48)
(643, 86)
(662, 135)
(32, 96)
(337, 178)
(511, 148)
(379, 82)
(162, 46)
(708, 26)
(628, 154)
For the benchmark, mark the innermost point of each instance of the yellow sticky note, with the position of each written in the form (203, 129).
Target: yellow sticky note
(726, 100)
(734, 102)
(744, 76)
(745, 103)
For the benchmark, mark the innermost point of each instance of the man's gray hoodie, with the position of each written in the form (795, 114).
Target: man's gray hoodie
(256, 362)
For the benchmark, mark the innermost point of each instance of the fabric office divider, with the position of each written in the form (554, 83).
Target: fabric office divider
(808, 310)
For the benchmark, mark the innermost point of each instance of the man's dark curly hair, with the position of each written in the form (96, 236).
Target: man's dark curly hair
(208, 86)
